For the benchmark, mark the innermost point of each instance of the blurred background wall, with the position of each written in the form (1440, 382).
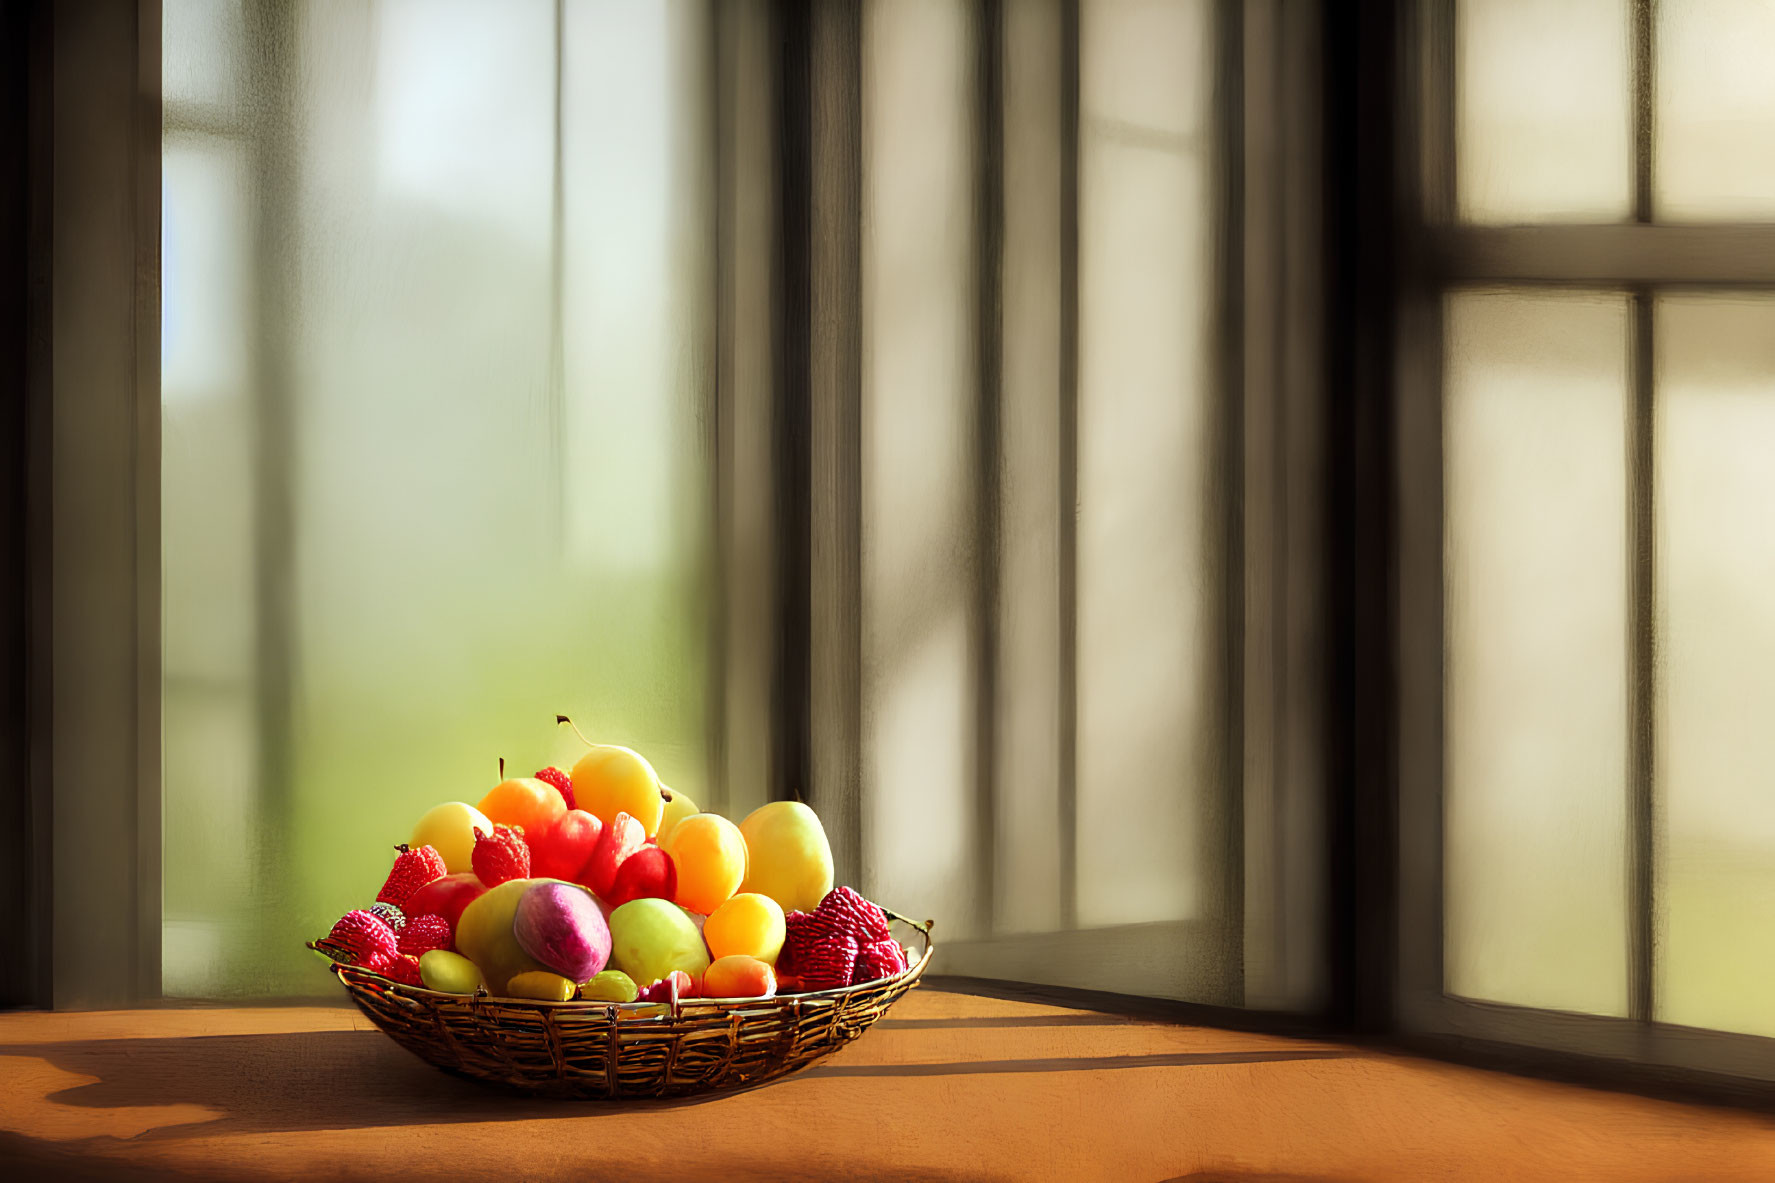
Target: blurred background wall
(840, 402)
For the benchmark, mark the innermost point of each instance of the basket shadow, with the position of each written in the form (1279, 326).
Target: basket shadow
(289, 1081)
(316, 1080)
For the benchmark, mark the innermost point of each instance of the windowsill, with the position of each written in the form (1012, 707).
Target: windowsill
(948, 1086)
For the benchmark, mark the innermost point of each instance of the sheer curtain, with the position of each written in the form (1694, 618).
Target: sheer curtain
(436, 386)
(1047, 766)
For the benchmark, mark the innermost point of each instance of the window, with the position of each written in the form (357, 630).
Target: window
(437, 352)
(468, 421)
(1585, 421)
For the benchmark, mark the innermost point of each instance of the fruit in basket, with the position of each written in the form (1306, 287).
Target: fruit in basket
(877, 960)
(815, 954)
(389, 915)
(750, 924)
(846, 940)
(358, 936)
(678, 807)
(484, 935)
(447, 897)
(649, 938)
(563, 850)
(613, 985)
(413, 868)
(852, 914)
(563, 783)
(789, 859)
(422, 934)
(524, 801)
(609, 780)
(559, 926)
(404, 968)
(502, 855)
(661, 991)
(738, 976)
(542, 986)
(621, 837)
(451, 973)
(647, 873)
(710, 856)
(450, 829)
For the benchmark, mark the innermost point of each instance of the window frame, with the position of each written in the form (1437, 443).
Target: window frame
(1437, 255)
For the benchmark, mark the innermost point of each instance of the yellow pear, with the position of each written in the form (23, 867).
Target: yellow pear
(787, 855)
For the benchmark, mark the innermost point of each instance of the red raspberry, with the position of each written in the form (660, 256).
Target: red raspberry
(413, 869)
(879, 959)
(502, 855)
(819, 954)
(562, 781)
(851, 913)
(399, 968)
(793, 923)
(425, 933)
(359, 936)
(829, 965)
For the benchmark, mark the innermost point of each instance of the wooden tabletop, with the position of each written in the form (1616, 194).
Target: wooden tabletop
(949, 1086)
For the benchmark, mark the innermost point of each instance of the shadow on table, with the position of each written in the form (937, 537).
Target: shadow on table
(353, 1079)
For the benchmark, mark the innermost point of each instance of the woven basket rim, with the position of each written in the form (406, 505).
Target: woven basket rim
(774, 1002)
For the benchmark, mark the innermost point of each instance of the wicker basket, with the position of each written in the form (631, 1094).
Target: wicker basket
(621, 1051)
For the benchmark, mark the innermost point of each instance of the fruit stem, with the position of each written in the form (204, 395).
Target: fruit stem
(559, 719)
(502, 768)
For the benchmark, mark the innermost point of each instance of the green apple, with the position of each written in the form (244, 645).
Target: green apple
(649, 938)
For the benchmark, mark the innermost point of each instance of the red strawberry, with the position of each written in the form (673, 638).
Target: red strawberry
(425, 933)
(879, 959)
(620, 839)
(359, 936)
(413, 869)
(562, 782)
(501, 856)
(853, 914)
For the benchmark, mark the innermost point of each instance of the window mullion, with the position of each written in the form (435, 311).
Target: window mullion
(1642, 733)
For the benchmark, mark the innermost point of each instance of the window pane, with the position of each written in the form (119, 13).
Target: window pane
(469, 451)
(1151, 827)
(1535, 438)
(1715, 786)
(1715, 120)
(209, 647)
(1543, 122)
(918, 457)
(201, 42)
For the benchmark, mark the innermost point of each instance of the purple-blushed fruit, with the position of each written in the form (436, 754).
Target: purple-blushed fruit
(560, 927)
